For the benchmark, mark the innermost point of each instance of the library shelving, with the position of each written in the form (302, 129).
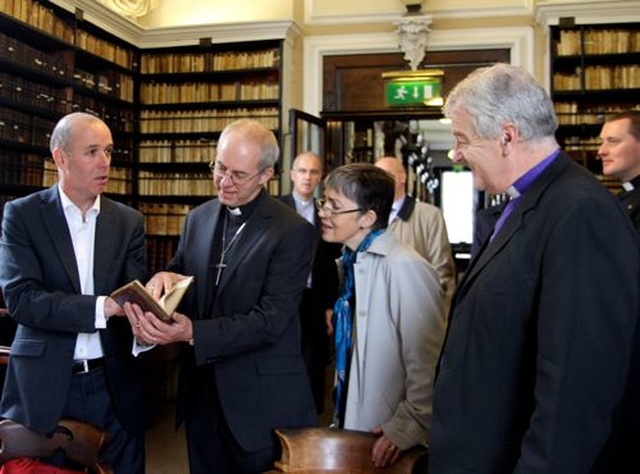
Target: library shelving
(188, 95)
(53, 63)
(165, 105)
(595, 72)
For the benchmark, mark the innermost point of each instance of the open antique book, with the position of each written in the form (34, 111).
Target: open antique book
(135, 292)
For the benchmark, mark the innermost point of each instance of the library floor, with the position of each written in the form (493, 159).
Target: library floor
(166, 449)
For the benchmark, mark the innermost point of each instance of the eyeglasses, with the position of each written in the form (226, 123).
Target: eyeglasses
(237, 177)
(323, 207)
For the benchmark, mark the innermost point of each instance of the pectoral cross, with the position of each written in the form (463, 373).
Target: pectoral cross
(220, 266)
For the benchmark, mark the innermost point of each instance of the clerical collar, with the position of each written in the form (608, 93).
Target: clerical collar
(526, 180)
(631, 185)
(245, 210)
(302, 201)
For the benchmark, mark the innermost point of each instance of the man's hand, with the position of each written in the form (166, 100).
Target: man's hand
(146, 327)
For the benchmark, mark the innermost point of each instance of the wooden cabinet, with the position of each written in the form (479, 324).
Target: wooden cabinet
(595, 72)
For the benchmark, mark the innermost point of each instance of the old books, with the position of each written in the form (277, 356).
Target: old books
(135, 292)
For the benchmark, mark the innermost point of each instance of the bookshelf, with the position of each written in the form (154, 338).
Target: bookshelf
(188, 94)
(595, 72)
(165, 105)
(53, 63)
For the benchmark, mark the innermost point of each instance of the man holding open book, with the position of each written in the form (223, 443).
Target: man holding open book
(242, 372)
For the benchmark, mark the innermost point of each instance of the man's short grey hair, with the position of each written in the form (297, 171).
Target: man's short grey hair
(500, 94)
(255, 132)
(61, 135)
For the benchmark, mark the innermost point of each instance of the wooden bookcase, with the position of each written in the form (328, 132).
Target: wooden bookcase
(53, 63)
(188, 94)
(595, 72)
(165, 106)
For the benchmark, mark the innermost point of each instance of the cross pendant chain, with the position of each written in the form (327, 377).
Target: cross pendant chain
(221, 265)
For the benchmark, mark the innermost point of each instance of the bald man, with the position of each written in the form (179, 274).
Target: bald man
(322, 286)
(421, 226)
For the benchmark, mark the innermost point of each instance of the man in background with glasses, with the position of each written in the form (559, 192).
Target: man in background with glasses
(242, 372)
(322, 285)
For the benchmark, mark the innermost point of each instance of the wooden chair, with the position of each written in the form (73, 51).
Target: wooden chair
(80, 442)
(327, 450)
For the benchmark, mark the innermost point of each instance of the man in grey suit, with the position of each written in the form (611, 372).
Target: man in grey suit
(242, 374)
(62, 251)
(539, 371)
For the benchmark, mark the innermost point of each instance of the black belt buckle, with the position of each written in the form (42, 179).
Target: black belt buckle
(85, 365)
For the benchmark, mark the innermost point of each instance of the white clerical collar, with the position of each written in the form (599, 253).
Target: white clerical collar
(234, 211)
(300, 200)
(513, 192)
(628, 186)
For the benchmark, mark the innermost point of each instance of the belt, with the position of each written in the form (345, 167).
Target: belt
(85, 365)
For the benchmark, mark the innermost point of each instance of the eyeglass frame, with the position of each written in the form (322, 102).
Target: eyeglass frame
(230, 174)
(327, 211)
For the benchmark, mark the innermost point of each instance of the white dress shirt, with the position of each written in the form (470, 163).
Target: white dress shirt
(83, 232)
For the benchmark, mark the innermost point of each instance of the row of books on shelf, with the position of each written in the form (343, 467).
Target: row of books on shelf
(39, 16)
(592, 41)
(106, 49)
(202, 121)
(35, 14)
(40, 96)
(23, 54)
(599, 78)
(572, 113)
(176, 151)
(20, 127)
(111, 83)
(152, 183)
(164, 219)
(161, 93)
(59, 101)
(24, 169)
(208, 61)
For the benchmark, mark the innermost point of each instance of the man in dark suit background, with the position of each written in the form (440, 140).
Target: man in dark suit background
(539, 369)
(322, 285)
(62, 251)
(620, 155)
(242, 373)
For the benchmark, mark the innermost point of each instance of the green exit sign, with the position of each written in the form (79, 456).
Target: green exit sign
(424, 92)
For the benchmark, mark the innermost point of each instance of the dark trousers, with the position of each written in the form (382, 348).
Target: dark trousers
(211, 445)
(315, 345)
(89, 401)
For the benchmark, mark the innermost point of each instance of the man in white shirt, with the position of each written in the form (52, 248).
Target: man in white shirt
(322, 286)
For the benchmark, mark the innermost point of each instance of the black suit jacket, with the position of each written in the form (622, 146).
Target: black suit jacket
(324, 272)
(535, 364)
(39, 277)
(252, 337)
(631, 201)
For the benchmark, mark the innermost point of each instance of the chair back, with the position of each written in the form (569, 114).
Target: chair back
(327, 450)
(80, 442)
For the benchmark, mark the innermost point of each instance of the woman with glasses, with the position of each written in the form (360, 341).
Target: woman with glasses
(389, 321)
